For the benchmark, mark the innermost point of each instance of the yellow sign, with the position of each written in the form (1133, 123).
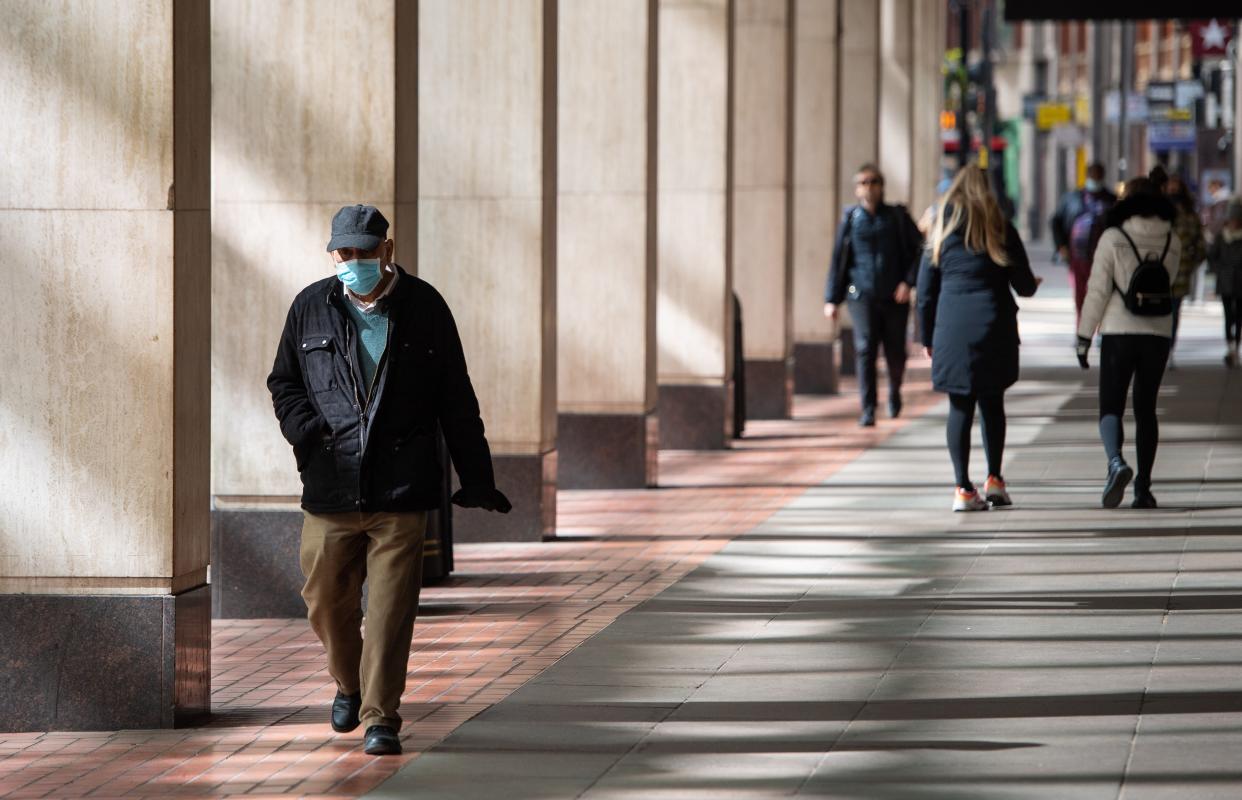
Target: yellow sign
(1051, 115)
(1082, 110)
(1179, 114)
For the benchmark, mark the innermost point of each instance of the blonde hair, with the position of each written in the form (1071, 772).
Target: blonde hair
(975, 207)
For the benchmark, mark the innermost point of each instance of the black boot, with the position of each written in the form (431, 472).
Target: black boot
(1119, 476)
(381, 740)
(345, 711)
(1143, 498)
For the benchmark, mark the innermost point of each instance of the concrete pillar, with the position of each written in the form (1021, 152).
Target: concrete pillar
(928, 20)
(816, 207)
(694, 311)
(858, 99)
(295, 137)
(104, 418)
(487, 231)
(761, 266)
(607, 429)
(896, 129)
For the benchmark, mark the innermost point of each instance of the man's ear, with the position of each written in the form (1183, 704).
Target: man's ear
(391, 247)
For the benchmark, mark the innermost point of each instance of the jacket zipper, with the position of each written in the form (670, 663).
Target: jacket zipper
(353, 381)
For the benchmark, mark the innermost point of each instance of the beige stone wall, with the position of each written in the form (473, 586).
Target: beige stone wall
(859, 87)
(816, 205)
(694, 284)
(295, 137)
(896, 143)
(486, 240)
(927, 100)
(605, 280)
(103, 419)
(760, 150)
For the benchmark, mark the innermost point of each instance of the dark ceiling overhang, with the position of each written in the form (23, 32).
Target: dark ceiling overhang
(1016, 10)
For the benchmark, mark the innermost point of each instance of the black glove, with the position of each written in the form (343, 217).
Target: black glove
(1084, 347)
(486, 499)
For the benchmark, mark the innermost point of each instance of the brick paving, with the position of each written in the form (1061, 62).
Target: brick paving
(509, 612)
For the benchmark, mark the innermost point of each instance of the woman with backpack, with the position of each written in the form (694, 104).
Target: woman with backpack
(1130, 303)
(969, 324)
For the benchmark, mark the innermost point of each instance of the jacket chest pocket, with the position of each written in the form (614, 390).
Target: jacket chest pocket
(319, 362)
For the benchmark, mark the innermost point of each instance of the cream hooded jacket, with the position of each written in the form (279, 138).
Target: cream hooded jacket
(1111, 271)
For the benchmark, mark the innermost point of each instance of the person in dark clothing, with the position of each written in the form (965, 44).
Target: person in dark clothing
(369, 373)
(874, 264)
(969, 324)
(1225, 261)
(1133, 348)
(1077, 225)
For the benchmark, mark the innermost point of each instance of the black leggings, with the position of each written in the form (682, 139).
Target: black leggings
(961, 417)
(1141, 358)
(1233, 318)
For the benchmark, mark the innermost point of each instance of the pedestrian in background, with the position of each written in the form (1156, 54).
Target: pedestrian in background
(1077, 225)
(369, 371)
(874, 265)
(969, 324)
(1136, 262)
(1225, 261)
(1188, 228)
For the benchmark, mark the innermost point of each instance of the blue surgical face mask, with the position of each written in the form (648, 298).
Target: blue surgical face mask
(360, 275)
(1092, 185)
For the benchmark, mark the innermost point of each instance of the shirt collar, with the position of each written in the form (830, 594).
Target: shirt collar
(367, 308)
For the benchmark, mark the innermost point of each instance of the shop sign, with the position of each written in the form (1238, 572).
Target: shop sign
(1052, 115)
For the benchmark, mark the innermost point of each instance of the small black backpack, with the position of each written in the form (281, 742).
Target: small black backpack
(1149, 293)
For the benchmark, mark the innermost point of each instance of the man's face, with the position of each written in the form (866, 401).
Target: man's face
(869, 188)
(1096, 175)
(383, 253)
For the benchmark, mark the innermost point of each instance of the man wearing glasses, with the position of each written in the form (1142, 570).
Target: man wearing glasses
(874, 263)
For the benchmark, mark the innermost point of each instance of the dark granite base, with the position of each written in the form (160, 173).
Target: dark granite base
(695, 417)
(602, 451)
(815, 369)
(255, 569)
(530, 484)
(104, 662)
(769, 389)
(848, 363)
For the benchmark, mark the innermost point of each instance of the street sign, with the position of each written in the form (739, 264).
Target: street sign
(1210, 38)
(1168, 135)
(1052, 115)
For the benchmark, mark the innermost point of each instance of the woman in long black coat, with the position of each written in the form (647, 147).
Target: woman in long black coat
(969, 323)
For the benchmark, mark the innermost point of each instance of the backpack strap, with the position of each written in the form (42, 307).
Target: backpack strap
(1134, 247)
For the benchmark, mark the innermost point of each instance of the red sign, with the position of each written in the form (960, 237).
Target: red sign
(1210, 38)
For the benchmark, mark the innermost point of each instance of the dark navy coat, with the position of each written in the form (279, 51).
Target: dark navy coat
(968, 316)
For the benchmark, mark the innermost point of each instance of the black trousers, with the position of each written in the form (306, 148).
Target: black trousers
(1141, 359)
(879, 323)
(1233, 318)
(957, 433)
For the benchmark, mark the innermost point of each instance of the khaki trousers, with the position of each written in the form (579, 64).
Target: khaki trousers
(339, 552)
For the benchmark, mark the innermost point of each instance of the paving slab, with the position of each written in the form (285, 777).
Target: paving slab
(865, 642)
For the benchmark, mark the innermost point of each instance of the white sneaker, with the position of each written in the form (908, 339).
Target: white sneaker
(995, 492)
(968, 501)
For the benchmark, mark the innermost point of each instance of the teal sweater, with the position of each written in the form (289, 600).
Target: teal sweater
(372, 329)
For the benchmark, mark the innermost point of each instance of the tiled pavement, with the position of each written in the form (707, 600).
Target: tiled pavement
(858, 641)
(508, 613)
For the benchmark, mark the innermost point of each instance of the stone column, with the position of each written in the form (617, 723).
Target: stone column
(759, 197)
(104, 417)
(295, 137)
(895, 132)
(858, 95)
(929, 19)
(695, 317)
(816, 207)
(487, 231)
(607, 429)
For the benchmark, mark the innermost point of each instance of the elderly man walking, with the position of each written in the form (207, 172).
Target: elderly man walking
(369, 372)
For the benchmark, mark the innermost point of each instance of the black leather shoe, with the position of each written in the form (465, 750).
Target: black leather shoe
(1143, 498)
(867, 420)
(381, 740)
(345, 711)
(1119, 475)
(894, 406)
